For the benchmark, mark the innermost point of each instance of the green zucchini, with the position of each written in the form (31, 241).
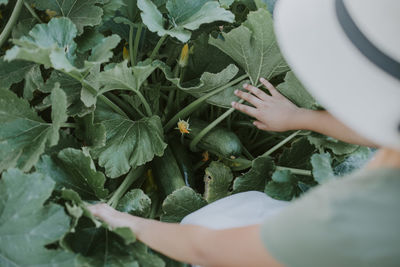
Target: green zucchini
(182, 157)
(219, 141)
(167, 173)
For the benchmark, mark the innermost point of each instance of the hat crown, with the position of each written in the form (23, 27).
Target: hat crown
(379, 21)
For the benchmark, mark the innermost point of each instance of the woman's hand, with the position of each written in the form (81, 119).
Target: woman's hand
(111, 216)
(272, 112)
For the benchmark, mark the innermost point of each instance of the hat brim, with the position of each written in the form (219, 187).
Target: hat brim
(335, 72)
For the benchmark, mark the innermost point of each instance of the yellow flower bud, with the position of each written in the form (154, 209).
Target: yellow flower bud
(184, 58)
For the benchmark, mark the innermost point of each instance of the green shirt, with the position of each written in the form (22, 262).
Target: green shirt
(352, 221)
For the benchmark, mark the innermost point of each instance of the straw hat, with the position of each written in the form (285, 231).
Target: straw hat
(347, 54)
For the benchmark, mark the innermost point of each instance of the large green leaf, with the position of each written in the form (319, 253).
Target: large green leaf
(297, 155)
(253, 46)
(218, 179)
(13, 72)
(181, 203)
(322, 142)
(27, 225)
(3, 2)
(129, 143)
(322, 167)
(74, 169)
(23, 134)
(135, 202)
(295, 92)
(81, 12)
(53, 45)
(184, 16)
(257, 177)
(283, 185)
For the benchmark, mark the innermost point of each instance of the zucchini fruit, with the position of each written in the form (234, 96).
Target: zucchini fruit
(167, 173)
(219, 141)
(182, 157)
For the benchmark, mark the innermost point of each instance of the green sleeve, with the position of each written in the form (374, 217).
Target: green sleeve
(344, 223)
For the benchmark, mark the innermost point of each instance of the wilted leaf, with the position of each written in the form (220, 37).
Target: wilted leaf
(218, 179)
(253, 46)
(180, 203)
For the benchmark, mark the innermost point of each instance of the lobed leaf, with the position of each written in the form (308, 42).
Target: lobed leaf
(218, 178)
(253, 46)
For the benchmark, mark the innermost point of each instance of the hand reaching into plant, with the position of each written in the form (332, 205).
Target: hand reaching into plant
(276, 113)
(272, 112)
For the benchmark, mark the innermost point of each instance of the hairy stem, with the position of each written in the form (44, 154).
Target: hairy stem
(132, 176)
(136, 45)
(158, 46)
(127, 108)
(294, 171)
(33, 13)
(282, 143)
(11, 22)
(195, 104)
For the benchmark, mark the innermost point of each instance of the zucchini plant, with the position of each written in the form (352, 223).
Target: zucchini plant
(128, 102)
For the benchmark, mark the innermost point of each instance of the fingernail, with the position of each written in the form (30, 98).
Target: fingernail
(262, 80)
(236, 92)
(245, 85)
(233, 104)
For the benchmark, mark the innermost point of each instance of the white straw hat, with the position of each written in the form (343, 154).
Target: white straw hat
(347, 54)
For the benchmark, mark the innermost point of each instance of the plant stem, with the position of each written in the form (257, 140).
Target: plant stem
(205, 131)
(145, 103)
(294, 171)
(68, 125)
(159, 44)
(33, 13)
(193, 106)
(132, 176)
(247, 153)
(11, 22)
(282, 143)
(136, 44)
(121, 104)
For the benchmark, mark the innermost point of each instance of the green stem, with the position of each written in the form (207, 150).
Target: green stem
(68, 125)
(282, 143)
(205, 131)
(159, 44)
(145, 103)
(247, 153)
(122, 104)
(33, 13)
(136, 45)
(295, 171)
(11, 22)
(195, 104)
(132, 176)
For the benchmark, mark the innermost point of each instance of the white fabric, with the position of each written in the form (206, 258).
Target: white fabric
(237, 210)
(335, 72)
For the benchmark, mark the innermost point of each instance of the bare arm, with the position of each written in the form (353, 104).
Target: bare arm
(276, 113)
(194, 244)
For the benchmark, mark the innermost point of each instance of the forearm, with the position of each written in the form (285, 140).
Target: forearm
(179, 242)
(324, 123)
(202, 246)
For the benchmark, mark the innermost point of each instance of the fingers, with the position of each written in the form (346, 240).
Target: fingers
(257, 92)
(260, 125)
(249, 98)
(270, 87)
(245, 109)
(100, 210)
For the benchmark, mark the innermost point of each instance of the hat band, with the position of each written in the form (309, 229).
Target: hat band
(365, 46)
